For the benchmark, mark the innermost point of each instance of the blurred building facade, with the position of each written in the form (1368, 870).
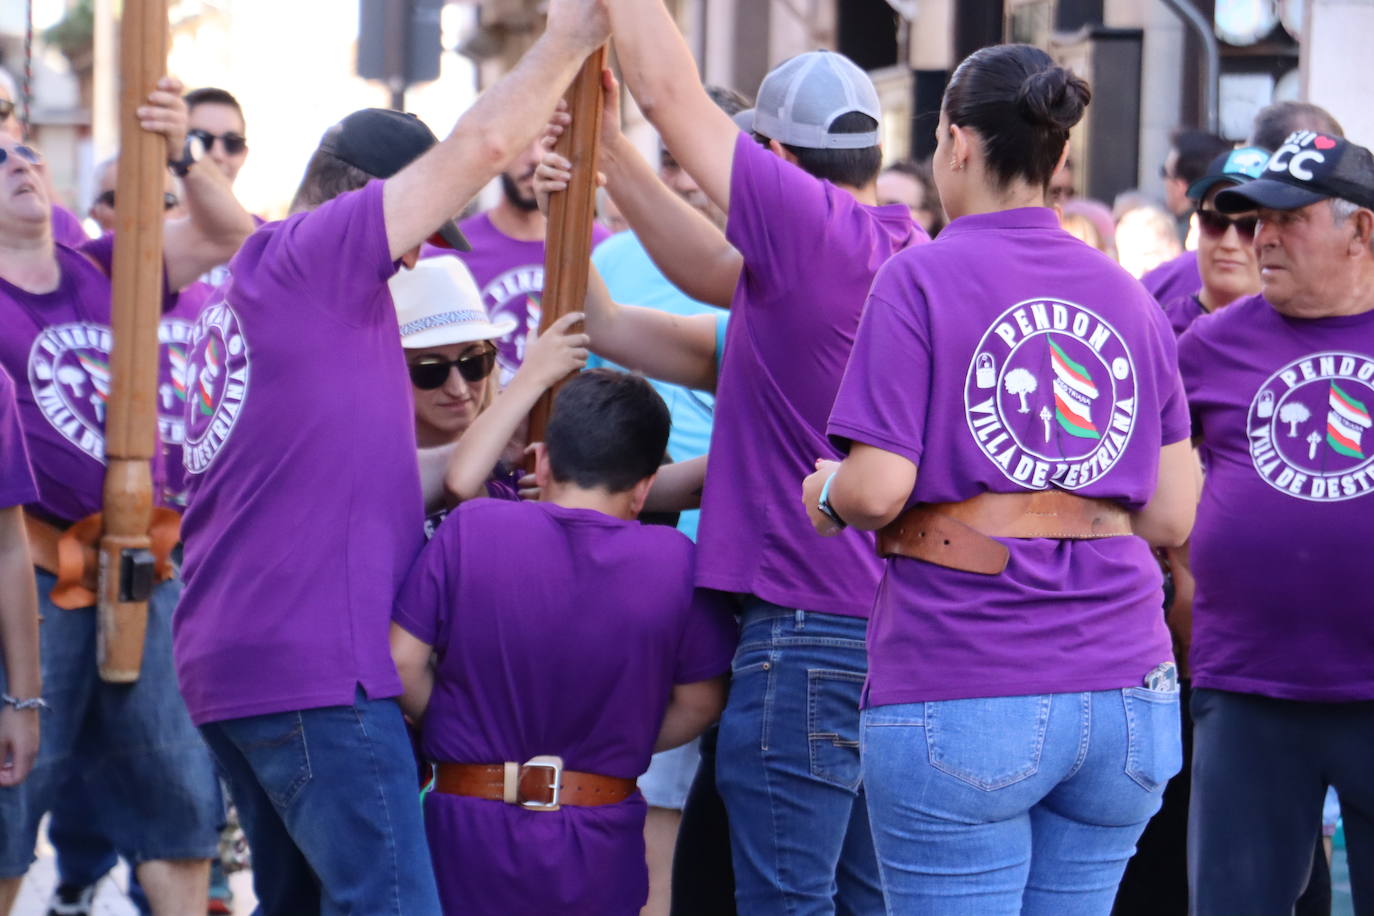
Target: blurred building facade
(293, 65)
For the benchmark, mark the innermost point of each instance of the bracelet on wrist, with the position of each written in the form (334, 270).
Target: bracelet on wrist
(823, 504)
(21, 705)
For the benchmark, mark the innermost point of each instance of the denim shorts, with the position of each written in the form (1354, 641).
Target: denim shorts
(670, 774)
(132, 744)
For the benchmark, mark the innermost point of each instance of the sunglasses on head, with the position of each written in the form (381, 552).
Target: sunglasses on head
(169, 200)
(431, 372)
(1214, 225)
(6, 108)
(27, 153)
(233, 143)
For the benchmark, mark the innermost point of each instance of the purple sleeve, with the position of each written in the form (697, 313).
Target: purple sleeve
(885, 392)
(777, 217)
(336, 256)
(502, 488)
(101, 251)
(422, 606)
(1175, 424)
(16, 477)
(708, 639)
(66, 228)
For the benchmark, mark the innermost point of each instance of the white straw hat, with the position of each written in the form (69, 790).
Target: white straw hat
(438, 304)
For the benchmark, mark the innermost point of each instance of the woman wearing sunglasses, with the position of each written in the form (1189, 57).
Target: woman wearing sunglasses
(450, 351)
(1225, 251)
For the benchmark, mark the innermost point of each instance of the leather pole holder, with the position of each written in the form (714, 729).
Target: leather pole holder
(72, 554)
(533, 784)
(961, 535)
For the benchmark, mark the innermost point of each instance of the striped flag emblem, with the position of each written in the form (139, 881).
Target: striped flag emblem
(1346, 423)
(1074, 393)
(212, 365)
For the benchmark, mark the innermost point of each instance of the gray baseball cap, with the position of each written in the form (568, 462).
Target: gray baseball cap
(801, 97)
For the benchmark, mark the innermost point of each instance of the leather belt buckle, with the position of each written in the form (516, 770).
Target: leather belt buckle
(554, 765)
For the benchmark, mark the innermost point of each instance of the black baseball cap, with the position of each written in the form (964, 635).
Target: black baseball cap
(381, 142)
(1308, 167)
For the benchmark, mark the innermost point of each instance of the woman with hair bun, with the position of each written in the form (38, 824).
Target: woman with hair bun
(1021, 710)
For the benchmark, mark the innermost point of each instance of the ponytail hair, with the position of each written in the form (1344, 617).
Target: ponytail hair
(1022, 105)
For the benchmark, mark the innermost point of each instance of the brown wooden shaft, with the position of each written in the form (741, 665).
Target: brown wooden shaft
(568, 241)
(131, 412)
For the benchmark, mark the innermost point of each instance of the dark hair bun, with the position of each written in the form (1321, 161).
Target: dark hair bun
(1053, 97)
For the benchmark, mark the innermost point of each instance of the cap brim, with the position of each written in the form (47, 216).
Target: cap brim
(1268, 193)
(744, 120)
(449, 236)
(1204, 185)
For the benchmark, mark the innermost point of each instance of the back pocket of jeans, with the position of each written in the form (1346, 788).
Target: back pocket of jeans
(990, 742)
(832, 726)
(275, 748)
(1154, 752)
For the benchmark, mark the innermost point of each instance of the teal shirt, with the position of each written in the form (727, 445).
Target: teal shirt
(633, 279)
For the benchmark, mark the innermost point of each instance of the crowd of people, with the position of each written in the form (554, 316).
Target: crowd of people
(1016, 566)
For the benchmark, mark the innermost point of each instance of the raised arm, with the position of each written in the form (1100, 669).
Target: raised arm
(504, 118)
(680, 349)
(216, 223)
(659, 69)
(551, 357)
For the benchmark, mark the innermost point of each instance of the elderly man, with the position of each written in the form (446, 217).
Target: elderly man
(1282, 388)
(55, 311)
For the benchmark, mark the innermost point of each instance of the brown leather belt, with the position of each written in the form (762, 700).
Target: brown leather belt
(960, 535)
(540, 784)
(71, 554)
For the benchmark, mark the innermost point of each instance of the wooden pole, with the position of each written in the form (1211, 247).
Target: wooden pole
(131, 417)
(568, 240)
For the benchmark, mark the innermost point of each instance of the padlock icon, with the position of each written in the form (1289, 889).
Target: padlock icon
(985, 375)
(1265, 409)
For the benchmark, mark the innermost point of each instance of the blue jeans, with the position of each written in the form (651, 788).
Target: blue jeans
(330, 804)
(1015, 805)
(787, 766)
(131, 744)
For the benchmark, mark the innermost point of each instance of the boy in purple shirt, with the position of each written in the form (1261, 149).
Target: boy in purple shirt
(803, 239)
(556, 679)
(305, 506)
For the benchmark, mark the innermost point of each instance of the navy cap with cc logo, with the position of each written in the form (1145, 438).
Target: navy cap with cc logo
(1308, 167)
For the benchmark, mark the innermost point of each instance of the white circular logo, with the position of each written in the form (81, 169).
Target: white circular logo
(1050, 397)
(69, 374)
(1309, 427)
(217, 370)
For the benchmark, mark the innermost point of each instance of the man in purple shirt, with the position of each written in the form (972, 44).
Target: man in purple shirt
(305, 508)
(1281, 386)
(1190, 152)
(55, 308)
(803, 240)
(564, 665)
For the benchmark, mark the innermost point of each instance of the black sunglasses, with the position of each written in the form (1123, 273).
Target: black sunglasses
(6, 108)
(431, 373)
(169, 200)
(1214, 225)
(233, 143)
(27, 153)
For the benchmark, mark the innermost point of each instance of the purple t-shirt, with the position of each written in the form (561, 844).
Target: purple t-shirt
(810, 252)
(1283, 408)
(305, 508)
(510, 274)
(16, 477)
(66, 228)
(1054, 370)
(549, 643)
(56, 347)
(1173, 279)
(179, 312)
(1183, 311)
